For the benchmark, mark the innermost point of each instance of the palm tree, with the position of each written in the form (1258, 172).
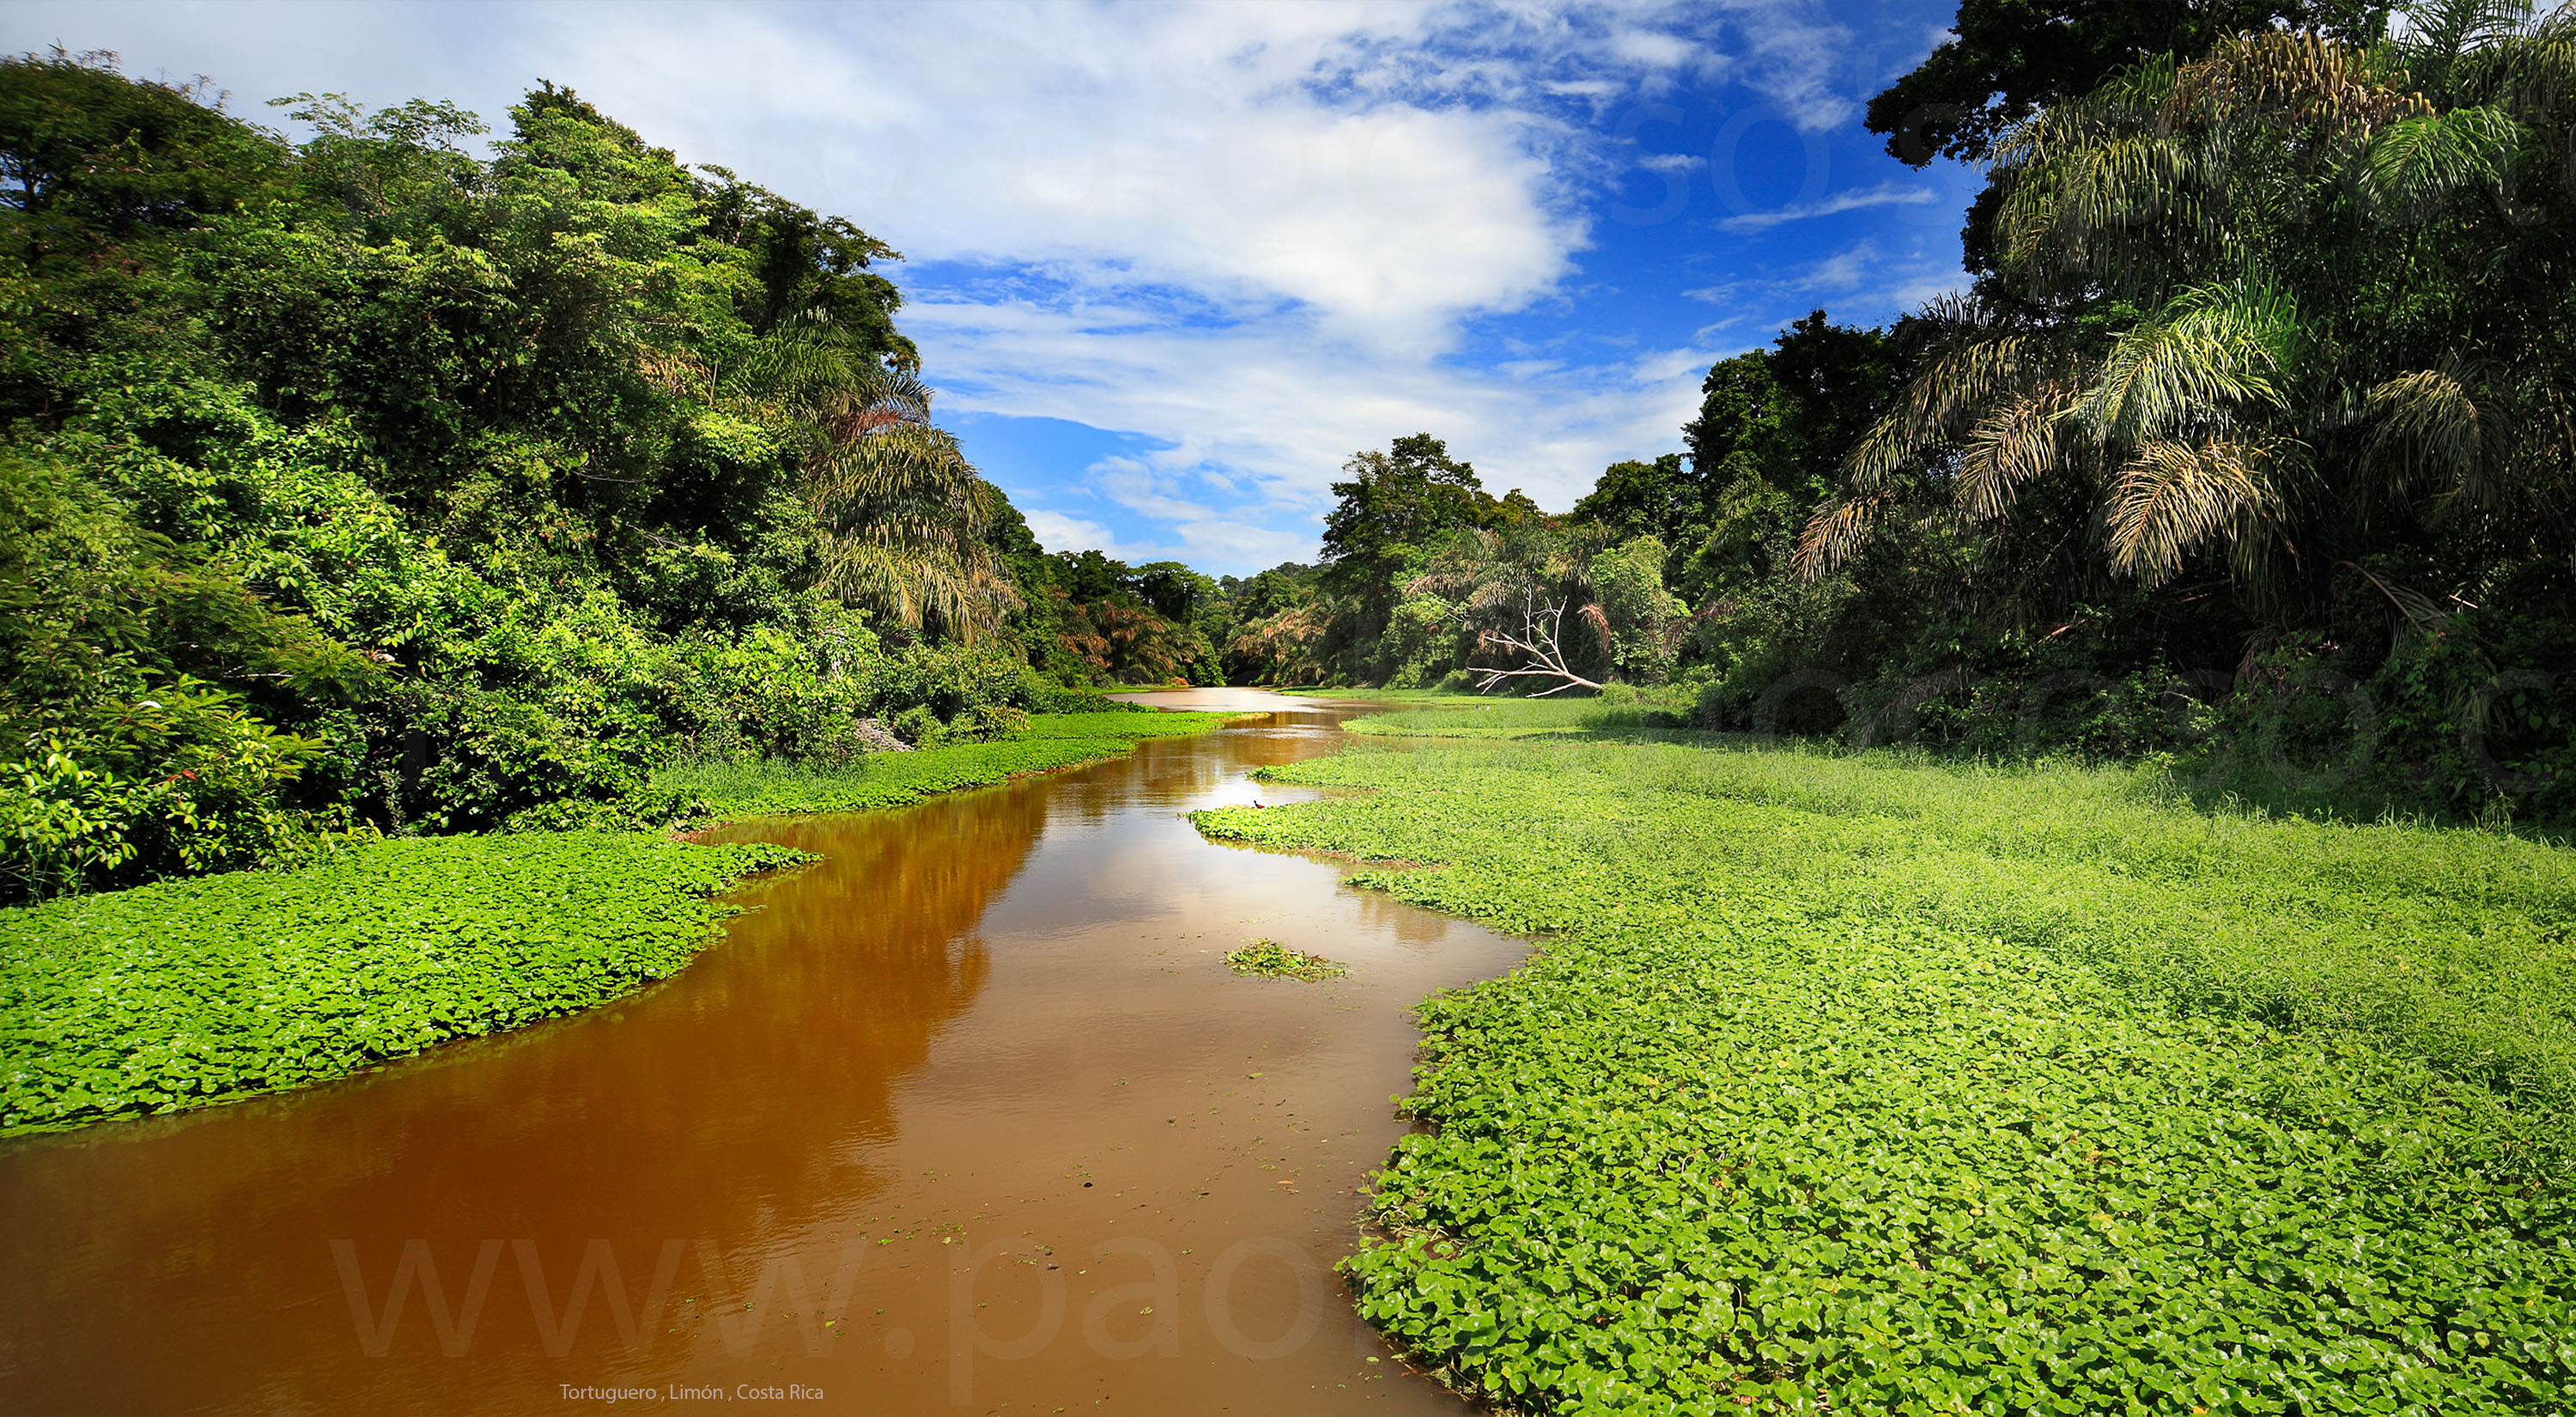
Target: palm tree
(902, 513)
(2347, 323)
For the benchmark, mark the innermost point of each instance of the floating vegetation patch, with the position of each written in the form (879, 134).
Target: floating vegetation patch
(175, 995)
(1273, 960)
(1867, 1087)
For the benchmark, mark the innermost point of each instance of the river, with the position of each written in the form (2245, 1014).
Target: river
(969, 1116)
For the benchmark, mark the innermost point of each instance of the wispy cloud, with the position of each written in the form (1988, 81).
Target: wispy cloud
(1255, 236)
(1863, 273)
(1273, 409)
(1885, 194)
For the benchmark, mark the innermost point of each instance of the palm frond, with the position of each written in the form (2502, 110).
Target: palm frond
(2174, 496)
(2013, 445)
(2299, 81)
(1958, 384)
(2118, 180)
(2426, 423)
(1836, 533)
(2211, 349)
(936, 589)
(2442, 37)
(2413, 166)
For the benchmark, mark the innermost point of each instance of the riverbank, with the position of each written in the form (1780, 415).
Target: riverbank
(993, 1029)
(186, 993)
(1051, 743)
(1902, 1087)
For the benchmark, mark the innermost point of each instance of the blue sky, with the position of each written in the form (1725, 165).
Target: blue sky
(1169, 266)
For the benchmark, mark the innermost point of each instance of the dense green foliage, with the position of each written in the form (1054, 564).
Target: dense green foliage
(2271, 377)
(2251, 446)
(2004, 60)
(366, 484)
(184, 993)
(1842, 1084)
(1088, 617)
(773, 787)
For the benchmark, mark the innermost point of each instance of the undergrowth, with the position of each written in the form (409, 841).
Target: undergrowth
(777, 787)
(1465, 717)
(1906, 1088)
(183, 993)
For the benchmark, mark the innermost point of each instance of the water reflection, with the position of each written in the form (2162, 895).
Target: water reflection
(938, 1031)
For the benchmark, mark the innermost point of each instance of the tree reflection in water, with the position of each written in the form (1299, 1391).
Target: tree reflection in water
(737, 1101)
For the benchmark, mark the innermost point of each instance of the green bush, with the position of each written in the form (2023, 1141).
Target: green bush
(736, 788)
(74, 816)
(919, 726)
(121, 758)
(987, 723)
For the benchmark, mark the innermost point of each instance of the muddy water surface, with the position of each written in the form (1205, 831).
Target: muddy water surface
(967, 1117)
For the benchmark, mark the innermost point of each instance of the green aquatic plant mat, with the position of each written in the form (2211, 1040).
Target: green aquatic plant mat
(1848, 1087)
(1052, 742)
(175, 995)
(1273, 960)
(1515, 718)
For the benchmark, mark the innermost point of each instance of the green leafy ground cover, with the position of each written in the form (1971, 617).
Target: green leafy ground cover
(1273, 960)
(1876, 1087)
(1467, 716)
(183, 993)
(778, 787)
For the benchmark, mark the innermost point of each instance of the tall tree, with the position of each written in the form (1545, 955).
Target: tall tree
(2356, 321)
(904, 515)
(1394, 506)
(1663, 498)
(2005, 60)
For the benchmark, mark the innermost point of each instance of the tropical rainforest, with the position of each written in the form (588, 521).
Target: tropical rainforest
(2251, 442)
(368, 485)
(402, 528)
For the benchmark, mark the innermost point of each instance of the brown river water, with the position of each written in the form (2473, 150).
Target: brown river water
(967, 1117)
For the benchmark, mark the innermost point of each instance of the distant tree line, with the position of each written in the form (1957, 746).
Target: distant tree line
(2258, 424)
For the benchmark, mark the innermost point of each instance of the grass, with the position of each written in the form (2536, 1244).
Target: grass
(1888, 1087)
(1053, 741)
(1461, 716)
(186, 993)
(1383, 695)
(1273, 960)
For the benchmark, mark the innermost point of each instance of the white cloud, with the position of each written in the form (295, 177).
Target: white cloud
(1884, 284)
(1845, 270)
(1058, 532)
(1885, 194)
(1258, 233)
(1280, 404)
